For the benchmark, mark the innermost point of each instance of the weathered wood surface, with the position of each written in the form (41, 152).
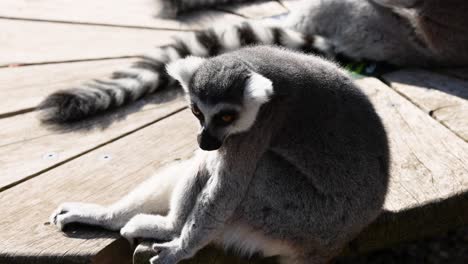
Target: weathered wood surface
(442, 97)
(24, 154)
(53, 42)
(428, 168)
(26, 236)
(130, 13)
(23, 88)
(428, 160)
(257, 10)
(429, 182)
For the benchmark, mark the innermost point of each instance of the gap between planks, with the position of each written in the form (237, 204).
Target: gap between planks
(48, 148)
(16, 65)
(111, 140)
(56, 42)
(97, 24)
(25, 87)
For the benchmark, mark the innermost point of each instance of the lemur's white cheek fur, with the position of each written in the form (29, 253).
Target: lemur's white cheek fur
(258, 91)
(183, 70)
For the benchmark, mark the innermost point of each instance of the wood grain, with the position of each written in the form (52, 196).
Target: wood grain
(428, 160)
(26, 236)
(23, 88)
(53, 42)
(442, 97)
(256, 10)
(27, 148)
(428, 186)
(132, 13)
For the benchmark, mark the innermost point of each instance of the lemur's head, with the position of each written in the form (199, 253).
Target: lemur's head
(225, 96)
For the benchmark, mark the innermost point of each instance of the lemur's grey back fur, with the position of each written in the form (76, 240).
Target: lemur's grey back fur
(308, 174)
(401, 32)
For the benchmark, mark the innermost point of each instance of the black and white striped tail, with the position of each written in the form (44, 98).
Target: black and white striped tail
(172, 8)
(149, 74)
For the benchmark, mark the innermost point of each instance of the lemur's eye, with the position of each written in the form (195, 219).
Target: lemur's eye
(227, 118)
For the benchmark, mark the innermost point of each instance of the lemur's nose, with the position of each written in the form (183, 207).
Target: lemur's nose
(208, 142)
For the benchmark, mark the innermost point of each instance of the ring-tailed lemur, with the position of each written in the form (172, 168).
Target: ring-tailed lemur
(403, 32)
(300, 166)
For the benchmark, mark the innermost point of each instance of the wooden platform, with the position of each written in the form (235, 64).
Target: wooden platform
(54, 44)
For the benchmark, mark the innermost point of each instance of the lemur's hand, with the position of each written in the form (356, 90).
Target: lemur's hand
(83, 213)
(169, 252)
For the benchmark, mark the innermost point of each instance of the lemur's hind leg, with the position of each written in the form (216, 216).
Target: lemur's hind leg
(183, 199)
(152, 196)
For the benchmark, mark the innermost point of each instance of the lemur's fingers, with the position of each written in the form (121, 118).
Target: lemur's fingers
(83, 213)
(168, 252)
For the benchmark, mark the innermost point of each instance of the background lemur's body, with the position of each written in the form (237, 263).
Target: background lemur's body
(299, 179)
(402, 32)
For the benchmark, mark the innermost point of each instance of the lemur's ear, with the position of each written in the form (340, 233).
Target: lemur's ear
(183, 70)
(259, 88)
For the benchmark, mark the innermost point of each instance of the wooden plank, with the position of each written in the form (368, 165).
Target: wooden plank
(26, 236)
(27, 148)
(132, 13)
(428, 189)
(54, 42)
(256, 10)
(428, 161)
(444, 98)
(25, 87)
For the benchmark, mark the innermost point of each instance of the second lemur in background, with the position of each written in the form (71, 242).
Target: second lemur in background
(298, 163)
(400, 32)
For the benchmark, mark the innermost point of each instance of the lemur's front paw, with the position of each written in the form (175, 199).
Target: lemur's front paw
(168, 253)
(83, 213)
(148, 226)
(140, 226)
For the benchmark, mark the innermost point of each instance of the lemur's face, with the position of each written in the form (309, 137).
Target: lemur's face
(224, 96)
(217, 122)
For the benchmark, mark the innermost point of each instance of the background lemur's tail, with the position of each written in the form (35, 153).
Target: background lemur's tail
(149, 74)
(172, 8)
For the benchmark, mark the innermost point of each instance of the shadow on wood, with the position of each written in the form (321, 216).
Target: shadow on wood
(414, 223)
(389, 229)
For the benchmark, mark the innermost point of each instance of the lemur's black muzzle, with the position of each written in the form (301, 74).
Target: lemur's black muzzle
(207, 142)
